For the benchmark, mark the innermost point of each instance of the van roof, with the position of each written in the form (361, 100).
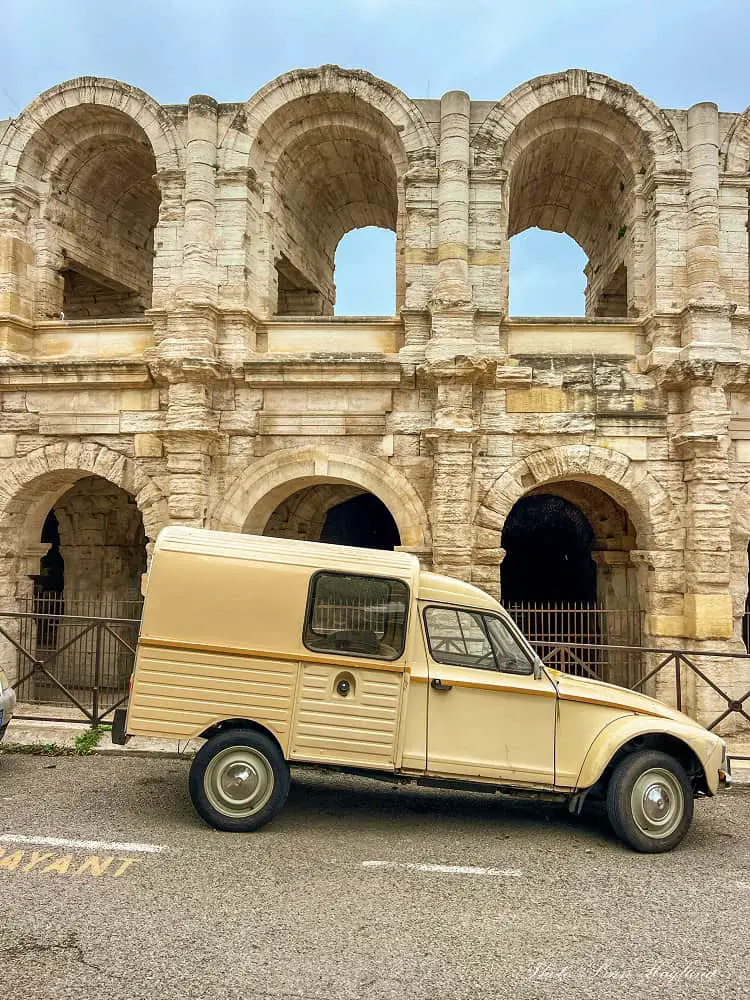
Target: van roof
(447, 590)
(319, 555)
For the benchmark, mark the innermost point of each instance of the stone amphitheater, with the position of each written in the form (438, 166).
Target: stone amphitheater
(170, 352)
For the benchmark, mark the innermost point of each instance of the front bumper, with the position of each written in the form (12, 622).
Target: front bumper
(7, 707)
(725, 773)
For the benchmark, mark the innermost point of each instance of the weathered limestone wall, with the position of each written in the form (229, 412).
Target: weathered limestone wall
(199, 369)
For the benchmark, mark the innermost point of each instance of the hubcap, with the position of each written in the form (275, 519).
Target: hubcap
(238, 782)
(657, 803)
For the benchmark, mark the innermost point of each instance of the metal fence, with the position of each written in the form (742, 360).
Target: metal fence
(77, 650)
(598, 632)
(682, 674)
(69, 653)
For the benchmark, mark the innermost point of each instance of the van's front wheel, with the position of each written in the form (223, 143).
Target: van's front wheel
(239, 780)
(650, 801)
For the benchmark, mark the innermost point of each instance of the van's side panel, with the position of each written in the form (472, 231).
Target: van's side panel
(357, 729)
(179, 693)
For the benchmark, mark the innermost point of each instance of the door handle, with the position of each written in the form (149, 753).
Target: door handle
(438, 685)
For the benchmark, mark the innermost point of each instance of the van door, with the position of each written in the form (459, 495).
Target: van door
(353, 678)
(488, 716)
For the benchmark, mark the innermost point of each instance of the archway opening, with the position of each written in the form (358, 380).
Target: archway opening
(548, 544)
(336, 513)
(547, 275)
(365, 273)
(573, 168)
(334, 164)
(94, 169)
(567, 575)
(95, 544)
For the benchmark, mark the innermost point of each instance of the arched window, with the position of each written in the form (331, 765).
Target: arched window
(365, 273)
(572, 169)
(334, 165)
(547, 275)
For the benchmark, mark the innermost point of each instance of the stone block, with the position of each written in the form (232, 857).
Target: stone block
(709, 616)
(665, 625)
(148, 446)
(8, 445)
(536, 400)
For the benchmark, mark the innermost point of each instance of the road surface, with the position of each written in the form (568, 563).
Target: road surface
(112, 887)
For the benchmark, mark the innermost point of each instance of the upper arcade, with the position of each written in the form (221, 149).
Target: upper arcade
(211, 229)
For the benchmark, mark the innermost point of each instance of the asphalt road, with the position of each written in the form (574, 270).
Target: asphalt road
(336, 899)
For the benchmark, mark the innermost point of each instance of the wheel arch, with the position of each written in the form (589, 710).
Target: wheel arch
(224, 725)
(631, 734)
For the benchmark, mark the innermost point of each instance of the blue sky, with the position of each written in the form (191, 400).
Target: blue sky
(676, 52)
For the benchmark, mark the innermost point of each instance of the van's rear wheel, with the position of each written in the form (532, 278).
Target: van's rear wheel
(650, 801)
(239, 780)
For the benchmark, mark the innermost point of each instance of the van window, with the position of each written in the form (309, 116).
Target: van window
(471, 639)
(458, 637)
(356, 616)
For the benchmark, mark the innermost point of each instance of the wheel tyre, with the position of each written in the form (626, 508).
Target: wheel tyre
(239, 780)
(650, 801)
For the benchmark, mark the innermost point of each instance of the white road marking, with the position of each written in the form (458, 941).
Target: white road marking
(444, 869)
(84, 845)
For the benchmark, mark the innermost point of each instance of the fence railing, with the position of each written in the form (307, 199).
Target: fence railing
(677, 667)
(603, 631)
(79, 659)
(92, 658)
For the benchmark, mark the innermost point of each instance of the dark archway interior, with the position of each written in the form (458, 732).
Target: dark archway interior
(364, 521)
(548, 543)
(51, 579)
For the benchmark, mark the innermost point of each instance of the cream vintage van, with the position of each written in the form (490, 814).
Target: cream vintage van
(282, 652)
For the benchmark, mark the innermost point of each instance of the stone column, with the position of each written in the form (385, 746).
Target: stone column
(451, 303)
(706, 318)
(703, 202)
(199, 241)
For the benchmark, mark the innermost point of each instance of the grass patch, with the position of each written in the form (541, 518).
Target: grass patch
(87, 741)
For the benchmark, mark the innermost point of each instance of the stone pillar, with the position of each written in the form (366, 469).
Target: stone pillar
(451, 302)
(453, 438)
(168, 237)
(17, 275)
(190, 435)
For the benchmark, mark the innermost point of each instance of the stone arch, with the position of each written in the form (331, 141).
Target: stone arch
(642, 114)
(416, 136)
(89, 90)
(734, 154)
(328, 151)
(573, 149)
(30, 485)
(641, 496)
(251, 499)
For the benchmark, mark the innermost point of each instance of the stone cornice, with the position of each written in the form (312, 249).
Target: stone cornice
(65, 374)
(324, 371)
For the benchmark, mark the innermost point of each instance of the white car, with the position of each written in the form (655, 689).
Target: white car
(7, 703)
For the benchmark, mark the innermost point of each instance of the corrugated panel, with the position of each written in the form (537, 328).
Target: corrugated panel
(179, 697)
(359, 729)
